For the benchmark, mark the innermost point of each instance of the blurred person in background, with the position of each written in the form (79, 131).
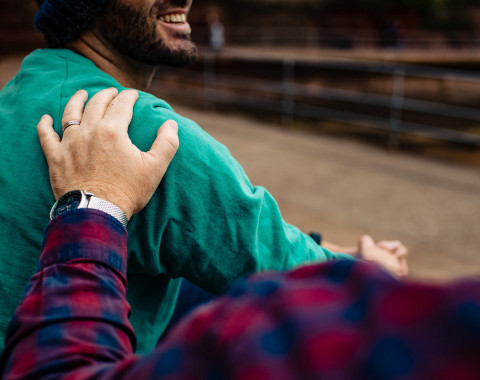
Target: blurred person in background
(337, 320)
(96, 44)
(216, 39)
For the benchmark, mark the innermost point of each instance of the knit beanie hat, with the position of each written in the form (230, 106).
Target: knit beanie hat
(62, 21)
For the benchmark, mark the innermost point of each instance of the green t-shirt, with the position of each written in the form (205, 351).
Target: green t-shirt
(206, 222)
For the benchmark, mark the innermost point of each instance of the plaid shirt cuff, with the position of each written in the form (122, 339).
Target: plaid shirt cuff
(85, 234)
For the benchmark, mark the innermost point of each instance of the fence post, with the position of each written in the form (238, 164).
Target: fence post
(288, 87)
(398, 89)
(209, 78)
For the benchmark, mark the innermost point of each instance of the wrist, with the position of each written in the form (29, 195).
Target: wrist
(78, 199)
(116, 198)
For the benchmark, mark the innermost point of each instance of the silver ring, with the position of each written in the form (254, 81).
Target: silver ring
(70, 123)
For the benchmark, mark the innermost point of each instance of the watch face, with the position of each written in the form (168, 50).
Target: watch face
(67, 202)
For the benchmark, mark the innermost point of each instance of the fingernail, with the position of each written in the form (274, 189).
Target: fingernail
(172, 124)
(133, 91)
(44, 117)
(81, 92)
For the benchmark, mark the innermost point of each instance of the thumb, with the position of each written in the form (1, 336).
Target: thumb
(366, 241)
(165, 145)
(49, 140)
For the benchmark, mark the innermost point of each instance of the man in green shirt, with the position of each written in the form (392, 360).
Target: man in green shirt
(96, 44)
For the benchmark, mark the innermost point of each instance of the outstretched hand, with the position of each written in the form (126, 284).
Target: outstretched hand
(99, 157)
(392, 255)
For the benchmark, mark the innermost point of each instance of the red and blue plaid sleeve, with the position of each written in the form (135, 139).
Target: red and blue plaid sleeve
(339, 320)
(74, 310)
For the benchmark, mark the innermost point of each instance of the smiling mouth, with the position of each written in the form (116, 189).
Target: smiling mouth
(174, 18)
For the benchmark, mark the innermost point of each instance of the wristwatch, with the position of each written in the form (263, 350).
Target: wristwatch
(83, 199)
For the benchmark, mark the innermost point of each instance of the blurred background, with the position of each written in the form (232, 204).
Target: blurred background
(359, 116)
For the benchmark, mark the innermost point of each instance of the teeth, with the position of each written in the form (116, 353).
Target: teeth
(174, 18)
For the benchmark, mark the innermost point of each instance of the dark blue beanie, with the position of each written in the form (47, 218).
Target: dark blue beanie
(62, 21)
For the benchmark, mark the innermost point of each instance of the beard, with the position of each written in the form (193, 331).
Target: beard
(133, 32)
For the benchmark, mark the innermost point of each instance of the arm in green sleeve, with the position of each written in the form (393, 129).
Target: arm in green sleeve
(209, 224)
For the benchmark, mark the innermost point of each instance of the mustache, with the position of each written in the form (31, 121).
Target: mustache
(161, 6)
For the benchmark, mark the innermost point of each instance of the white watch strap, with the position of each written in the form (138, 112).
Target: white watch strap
(109, 208)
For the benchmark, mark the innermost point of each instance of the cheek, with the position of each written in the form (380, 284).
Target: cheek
(162, 35)
(140, 4)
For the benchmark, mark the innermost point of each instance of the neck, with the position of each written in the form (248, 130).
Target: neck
(127, 71)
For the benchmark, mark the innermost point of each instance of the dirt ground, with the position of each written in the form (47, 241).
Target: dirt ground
(344, 189)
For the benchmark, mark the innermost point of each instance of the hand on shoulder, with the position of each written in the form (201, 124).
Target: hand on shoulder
(95, 153)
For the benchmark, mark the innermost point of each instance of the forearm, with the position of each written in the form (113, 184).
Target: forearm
(74, 311)
(352, 250)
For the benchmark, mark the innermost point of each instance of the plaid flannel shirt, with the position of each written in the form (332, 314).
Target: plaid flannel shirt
(344, 320)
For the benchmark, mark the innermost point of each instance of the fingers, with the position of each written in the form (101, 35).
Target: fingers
(120, 110)
(403, 267)
(74, 108)
(49, 140)
(366, 241)
(396, 247)
(98, 105)
(389, 254)
(165, 145)
(391, 245)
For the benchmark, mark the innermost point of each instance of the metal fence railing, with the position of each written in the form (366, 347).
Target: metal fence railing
(292, 98)
(343, 38)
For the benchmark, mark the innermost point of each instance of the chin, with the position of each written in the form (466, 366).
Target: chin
(169, 57)
(182, 58)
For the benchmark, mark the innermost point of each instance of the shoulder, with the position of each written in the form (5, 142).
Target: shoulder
(43, 65)
(151, 112)
(44, 56)
(151, 108)
(55, 60)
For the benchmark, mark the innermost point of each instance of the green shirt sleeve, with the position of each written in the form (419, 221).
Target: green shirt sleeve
(206, 222)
